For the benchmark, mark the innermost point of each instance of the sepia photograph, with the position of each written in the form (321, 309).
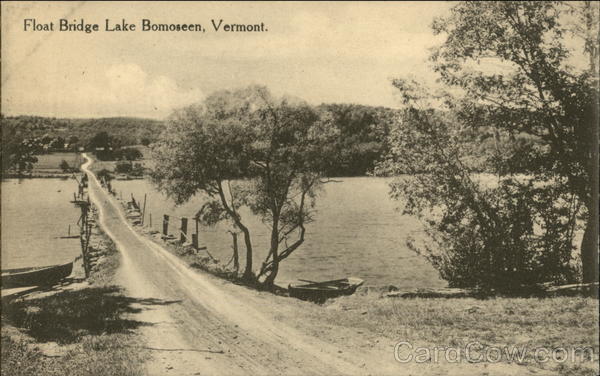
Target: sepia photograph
(300, 188)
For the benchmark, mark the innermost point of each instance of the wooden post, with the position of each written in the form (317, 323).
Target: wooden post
(150, 217)
(195, 241)
(74, 196)
(144, 210)
(165, 225)
(84, 239)
(183, 233)
(236, 261)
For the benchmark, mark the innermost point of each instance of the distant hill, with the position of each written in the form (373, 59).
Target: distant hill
(128, 130)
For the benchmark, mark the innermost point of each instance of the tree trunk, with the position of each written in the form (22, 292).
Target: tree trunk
(236, 257)
(589, 253)
(270, 280)
(589, 244)
(248, 275)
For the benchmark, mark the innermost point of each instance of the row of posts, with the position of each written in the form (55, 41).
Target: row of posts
(183, 230)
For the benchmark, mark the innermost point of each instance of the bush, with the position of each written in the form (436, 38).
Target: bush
(104, 174)
(64, 166)
(123, 167)
(500, 233)
(135, 169)
(506, 239)
(129, 154)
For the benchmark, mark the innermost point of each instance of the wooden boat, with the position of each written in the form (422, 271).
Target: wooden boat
(321, 291)
(35, 276)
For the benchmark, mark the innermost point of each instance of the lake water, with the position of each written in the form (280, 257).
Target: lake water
(356, 232)
(34, 213)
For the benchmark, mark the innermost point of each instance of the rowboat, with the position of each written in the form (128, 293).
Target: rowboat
(36, 276)
(321, 291)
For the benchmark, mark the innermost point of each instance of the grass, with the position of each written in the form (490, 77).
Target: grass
(86, 331)
(68, 316)
(52, 161)
(98, 356)
(558, 322)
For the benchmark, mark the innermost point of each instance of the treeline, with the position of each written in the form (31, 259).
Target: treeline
(362, 133)
(362, 136)
(78, 132)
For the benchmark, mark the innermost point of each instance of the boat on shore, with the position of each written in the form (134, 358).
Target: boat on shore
(36, 276)
(320, 291)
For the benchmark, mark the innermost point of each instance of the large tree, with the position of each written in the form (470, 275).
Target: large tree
(512, 61)
(245, 148)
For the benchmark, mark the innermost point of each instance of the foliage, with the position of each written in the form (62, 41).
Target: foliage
(491, 232)
(245, 148)
(104, 174)
(64, 165)
(506, 64)
(538, 93)
(123, 167)
(102, 145)
(129, 131)
(362, 134)
(361, 137)
(129, 154)
(126, 167)
(18, 153)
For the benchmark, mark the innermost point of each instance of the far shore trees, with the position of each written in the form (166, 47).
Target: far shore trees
(17, 152)
(245, 149)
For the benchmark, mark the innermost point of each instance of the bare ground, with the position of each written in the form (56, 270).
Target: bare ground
(214, 327)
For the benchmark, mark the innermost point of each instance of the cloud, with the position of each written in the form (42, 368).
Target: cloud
(119, 90)
(129, 89)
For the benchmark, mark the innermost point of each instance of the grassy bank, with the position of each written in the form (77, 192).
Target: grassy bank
(79, 328)
(513, 323)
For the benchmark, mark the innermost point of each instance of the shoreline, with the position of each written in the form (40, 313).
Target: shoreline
(63, 329)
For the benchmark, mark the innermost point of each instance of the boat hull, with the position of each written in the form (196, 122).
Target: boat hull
(42, 276)
(320, 292)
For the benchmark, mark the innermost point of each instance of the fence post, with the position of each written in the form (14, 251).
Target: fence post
(183, 234)
(165, 225)
(196, 241)
(144, 210)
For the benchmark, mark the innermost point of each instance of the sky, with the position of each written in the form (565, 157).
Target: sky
(321, 52)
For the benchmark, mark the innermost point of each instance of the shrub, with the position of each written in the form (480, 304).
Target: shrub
(123, 167)
(104, 174)
(493, 232)
(64, 166)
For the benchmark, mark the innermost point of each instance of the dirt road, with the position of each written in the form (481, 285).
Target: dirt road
(208, 326)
